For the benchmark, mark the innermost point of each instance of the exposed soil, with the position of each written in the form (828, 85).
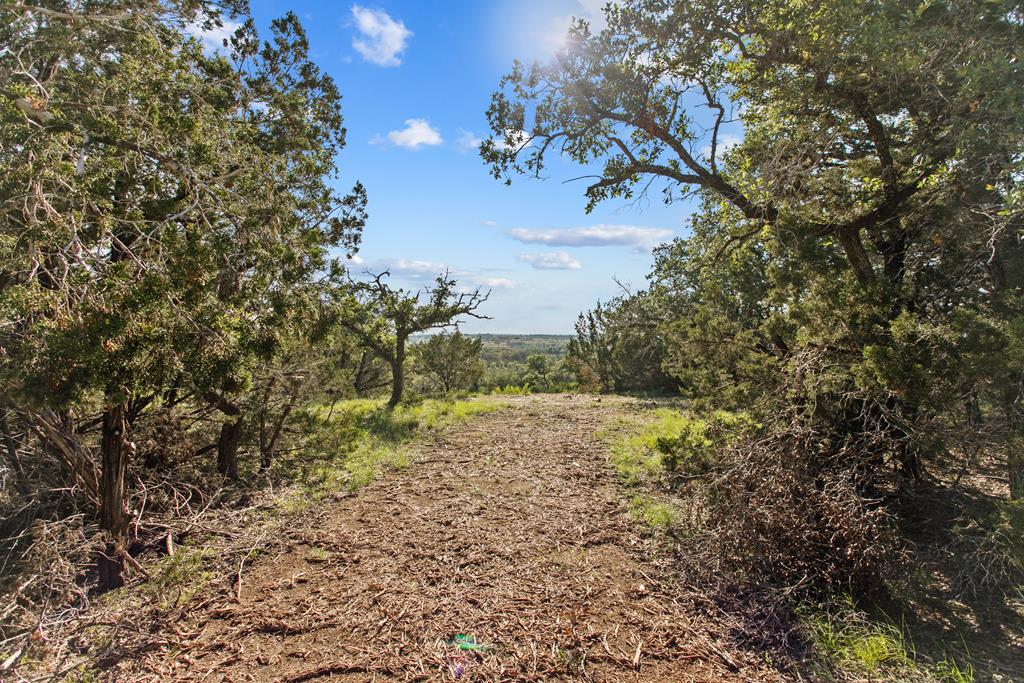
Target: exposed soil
(511, 529)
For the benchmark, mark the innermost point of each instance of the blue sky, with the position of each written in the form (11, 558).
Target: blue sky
(416, 78)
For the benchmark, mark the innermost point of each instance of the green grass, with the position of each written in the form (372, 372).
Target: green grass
(653, 513)
(668, 442)
(632, 444)
(177, 578)
(512, 390)
(848, 641)
(860, 644)
(318, 554)
(356, 440)
(950, 671)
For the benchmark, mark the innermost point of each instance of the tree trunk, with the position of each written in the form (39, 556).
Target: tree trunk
(1014, 403)
(364, 364)
(1015, 465)
(268, 442)
(227, 448)
(115, 452)
(856, 255)
(397, 374)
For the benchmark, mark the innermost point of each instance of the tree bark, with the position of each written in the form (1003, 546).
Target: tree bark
(1015, 467)
(397, 374)
(114, 451)
(227, 448)
(1014, 403)
(268, 440)
(856, 255)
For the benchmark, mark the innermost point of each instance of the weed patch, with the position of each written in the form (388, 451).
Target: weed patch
(847, 640)
(512, 390)
(653, 513)
(670, 446)
(177, 578)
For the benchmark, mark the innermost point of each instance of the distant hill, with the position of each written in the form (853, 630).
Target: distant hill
(517, 347)
(502, 348)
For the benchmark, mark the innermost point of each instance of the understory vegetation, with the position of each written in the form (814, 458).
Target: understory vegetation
(704, 500)
(202, 546)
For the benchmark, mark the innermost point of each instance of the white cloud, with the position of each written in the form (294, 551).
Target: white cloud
(497, 283)
(213, 38)
(382, 39)
(593, 10)
(422, 272)
(725, 143)
(467, 141)
(553, 260)
(413, 268)
(417, 132)
(357, 259)
(594, 236)
(489, 224)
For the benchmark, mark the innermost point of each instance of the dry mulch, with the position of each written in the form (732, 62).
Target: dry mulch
(511, 529)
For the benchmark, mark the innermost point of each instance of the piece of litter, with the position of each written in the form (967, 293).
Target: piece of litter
(464, 642)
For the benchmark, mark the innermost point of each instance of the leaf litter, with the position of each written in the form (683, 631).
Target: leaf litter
(506, 553)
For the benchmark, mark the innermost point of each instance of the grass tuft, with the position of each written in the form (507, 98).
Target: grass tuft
(653, 513)
(512, 390)
(177, 578)
(850, 641)
(672, 443)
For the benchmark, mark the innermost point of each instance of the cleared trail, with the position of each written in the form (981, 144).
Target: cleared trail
(512, 529)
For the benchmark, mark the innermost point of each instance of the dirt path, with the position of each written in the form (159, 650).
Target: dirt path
(510, 528)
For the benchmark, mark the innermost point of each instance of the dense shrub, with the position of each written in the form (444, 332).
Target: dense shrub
(772, 505)
(776, 516)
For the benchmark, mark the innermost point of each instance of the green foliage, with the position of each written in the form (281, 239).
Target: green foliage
(504, 348)
(855, 257)
(181, 244)
(853, 279)
(557, 378)
(653, 513)
(689, 448)
(450, 360)
(518, 360)
(355, 440)
(617, 347)
(849, 641)
(672, 444)
(512, 390)
(384, 318)
(183, 234)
